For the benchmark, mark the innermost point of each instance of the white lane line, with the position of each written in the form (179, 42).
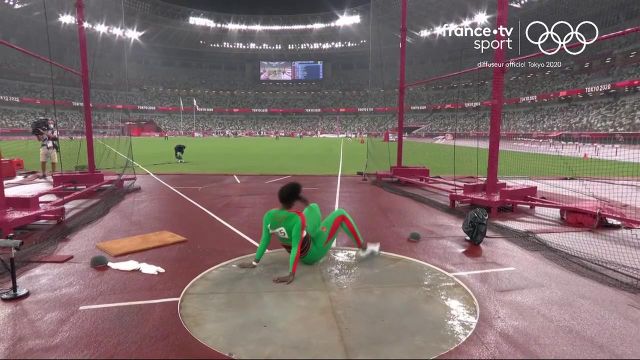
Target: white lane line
(338, 187)
(187, 187)
(235, 177)
(339, 175)
(274, 180)
(311, 188)
(481, 271)
(186, 197)
(102, 306)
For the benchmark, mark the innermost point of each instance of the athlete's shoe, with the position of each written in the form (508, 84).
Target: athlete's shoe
(371, 250)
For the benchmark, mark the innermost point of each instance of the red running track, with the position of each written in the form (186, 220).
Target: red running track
(537, 310)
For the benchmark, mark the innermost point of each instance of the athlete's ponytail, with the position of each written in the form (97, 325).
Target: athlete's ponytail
(303, 200)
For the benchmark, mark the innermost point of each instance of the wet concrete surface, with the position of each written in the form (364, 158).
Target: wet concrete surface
(382, 307)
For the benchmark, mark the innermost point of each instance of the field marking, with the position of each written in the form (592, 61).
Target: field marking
(130, 303)
(235, 177)
(481, 271)
(274, 180)
(186, 197)
(312, 188)
(339, 174)
(338, 187)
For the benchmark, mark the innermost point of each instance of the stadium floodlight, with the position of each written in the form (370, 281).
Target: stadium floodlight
(116, 31)
(347, 20)
(101, 28)
(67, 19)
(481, 18)
(452, 26)
(343, 20)
(132, 34)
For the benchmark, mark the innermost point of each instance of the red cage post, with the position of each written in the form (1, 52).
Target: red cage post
(88, 128)
(497, 100)
(399, 169)
(3, 201)
(401, 86)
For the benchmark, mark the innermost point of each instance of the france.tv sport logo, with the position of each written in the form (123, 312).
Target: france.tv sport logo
(573, 36)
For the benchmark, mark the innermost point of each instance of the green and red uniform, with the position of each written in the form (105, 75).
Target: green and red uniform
(304, 234)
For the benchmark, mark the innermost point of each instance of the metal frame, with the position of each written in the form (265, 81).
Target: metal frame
(22, 210)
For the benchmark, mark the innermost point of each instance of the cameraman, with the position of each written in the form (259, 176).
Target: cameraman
(48, 138)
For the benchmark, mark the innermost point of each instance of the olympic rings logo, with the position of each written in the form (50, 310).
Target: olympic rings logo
(562, 42)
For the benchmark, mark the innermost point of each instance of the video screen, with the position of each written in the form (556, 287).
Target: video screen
(290, 70)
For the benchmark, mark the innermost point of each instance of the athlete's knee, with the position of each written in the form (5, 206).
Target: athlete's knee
(339, 212)
(312, 211)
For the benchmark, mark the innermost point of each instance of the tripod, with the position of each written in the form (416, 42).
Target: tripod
(15, 292)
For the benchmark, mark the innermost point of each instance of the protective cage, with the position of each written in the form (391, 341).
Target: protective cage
(95, 157)
(539, 130)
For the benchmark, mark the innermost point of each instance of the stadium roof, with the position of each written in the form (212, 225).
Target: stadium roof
(273, 7)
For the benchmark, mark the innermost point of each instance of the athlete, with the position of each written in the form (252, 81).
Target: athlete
(305, 235)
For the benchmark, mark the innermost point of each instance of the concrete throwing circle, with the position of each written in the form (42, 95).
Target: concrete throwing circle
(383, 307)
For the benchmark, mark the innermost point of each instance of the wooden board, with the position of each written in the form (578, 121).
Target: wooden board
(132, 244)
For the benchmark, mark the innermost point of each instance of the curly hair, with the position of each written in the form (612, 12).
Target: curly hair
(290, 193)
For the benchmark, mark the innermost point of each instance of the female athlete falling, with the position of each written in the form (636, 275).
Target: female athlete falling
(304, 234)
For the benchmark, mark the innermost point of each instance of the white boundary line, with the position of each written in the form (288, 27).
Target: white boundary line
(274, 180)
(235, 177)
(186, 197)
(481, 271)
(102, 306)
(333, 245)
(339, 175)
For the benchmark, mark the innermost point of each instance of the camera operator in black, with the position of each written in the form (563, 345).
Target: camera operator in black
(48, 137)
(179, 152)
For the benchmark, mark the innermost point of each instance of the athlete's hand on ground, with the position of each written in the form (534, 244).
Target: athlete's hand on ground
(246, 265)
(284, 279)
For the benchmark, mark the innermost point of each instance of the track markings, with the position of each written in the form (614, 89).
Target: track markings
(186, 198)
(235, 177)
(339, 175)
(481, 271)
(131, 303)
(278, 179)
(338, 187)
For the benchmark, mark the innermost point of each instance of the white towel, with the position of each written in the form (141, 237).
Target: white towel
(134, 265)
(150, 269)
(125, 265)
